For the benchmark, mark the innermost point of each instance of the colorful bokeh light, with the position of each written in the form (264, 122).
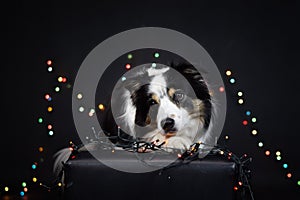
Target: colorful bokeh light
(129, 56)
(101, 107)
(221, 89)
(254, 132)
(33, 166)
(127, 66)
(50, 109)
(81, 109)
(79, 96)
(41, 149)
(241, 101)
(40, 120)
(56, 89)
(49, 62)
(228, 73)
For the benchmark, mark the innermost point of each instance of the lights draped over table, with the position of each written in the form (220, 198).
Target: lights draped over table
(249, 121)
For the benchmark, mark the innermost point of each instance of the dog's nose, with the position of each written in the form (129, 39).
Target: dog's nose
(167, 124)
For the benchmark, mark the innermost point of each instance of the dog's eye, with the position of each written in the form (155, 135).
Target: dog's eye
(178, 96)
(152, 102)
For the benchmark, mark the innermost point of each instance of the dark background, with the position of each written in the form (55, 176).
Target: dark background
(258, 41)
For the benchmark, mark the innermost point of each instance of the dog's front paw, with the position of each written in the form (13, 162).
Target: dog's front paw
(177, 143)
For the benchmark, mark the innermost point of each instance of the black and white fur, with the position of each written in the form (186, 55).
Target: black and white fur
(179, 120)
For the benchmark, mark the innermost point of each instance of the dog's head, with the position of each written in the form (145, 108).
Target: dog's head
(161, 101)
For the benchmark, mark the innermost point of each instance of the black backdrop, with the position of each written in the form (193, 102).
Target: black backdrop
(258, 41)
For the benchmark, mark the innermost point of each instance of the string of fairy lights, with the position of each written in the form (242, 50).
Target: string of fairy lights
(249, 122)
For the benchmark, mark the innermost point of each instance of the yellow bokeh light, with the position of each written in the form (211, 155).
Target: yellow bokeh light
(101, 106)
(254, 132)
(60, 79)
(228, 73)
(79, 96)
(50, 109)
(240, 101)
(41, 149)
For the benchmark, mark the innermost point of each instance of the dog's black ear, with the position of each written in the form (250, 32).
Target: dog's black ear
(194, 78)
(140, 99)
(199, 86)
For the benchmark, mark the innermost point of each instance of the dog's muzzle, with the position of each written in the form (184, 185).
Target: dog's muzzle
(168, 125)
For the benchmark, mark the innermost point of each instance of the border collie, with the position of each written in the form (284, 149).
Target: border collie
(164, 104)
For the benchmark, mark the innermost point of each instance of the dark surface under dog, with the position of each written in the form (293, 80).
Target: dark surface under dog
(212, 177)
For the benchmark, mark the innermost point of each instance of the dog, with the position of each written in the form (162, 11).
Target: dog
(164, 104)
(169, 105)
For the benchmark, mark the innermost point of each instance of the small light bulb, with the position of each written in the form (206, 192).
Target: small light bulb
(232, 80)
(228, 72)
(254, 132)
(81, 109)
(156, 55)
(49, 62)
(221, 89)
(79, 96)
(127, 66)
(101, 106)
(240, 101)
(129, 56)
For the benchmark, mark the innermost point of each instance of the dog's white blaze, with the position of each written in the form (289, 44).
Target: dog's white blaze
(158, 86)
(167, 108)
